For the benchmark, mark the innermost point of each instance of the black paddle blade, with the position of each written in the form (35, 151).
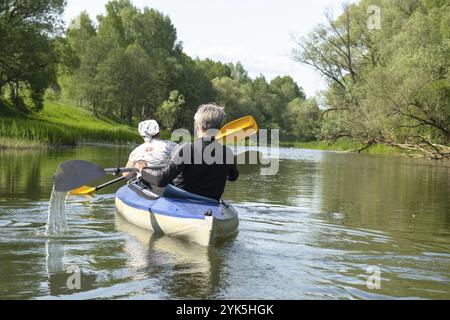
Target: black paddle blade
(76, 173)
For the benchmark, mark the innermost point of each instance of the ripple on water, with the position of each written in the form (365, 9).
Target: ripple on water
(309, 233)
(4, 223)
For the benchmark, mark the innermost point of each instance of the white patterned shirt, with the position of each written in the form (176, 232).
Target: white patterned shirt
(156, 152)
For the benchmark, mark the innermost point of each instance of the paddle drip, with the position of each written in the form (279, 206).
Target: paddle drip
(57, 221)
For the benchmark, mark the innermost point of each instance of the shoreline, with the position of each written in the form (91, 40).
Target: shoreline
(7, 143)
(345, 146)
(375, 150)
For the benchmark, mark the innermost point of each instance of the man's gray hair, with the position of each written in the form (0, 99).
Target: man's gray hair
(209, 116)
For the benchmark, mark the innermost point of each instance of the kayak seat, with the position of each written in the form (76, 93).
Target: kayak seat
(174, 192)
(170, 191)
(144, 190)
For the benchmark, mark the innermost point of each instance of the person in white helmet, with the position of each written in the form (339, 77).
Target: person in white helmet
(154, 151)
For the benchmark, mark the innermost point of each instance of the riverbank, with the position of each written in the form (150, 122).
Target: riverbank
(345, 145)
(59, 124)
(62, 124)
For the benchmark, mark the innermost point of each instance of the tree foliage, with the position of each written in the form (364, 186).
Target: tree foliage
(129, 65)
(389, 85)
(27, 55)
(169, 111)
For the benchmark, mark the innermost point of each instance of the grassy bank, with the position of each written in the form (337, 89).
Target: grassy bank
(344, 145)
(59, 124)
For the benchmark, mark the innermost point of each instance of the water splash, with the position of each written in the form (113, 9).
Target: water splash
(57, 220)
(55, 256)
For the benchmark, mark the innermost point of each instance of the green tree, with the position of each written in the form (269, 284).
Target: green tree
(238, 72)
(170, 109)
(304, 116)
(125, 78)
(27, 55)
(80, 31)
(390, 85)
(236, 99)
(283, 90)
(214, 69)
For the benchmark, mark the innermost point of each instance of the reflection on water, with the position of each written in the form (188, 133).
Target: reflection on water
(64, 280)
(309, 232)
(183, 270)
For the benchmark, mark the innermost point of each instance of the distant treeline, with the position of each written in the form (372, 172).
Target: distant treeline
(129, 65)
(386, 62)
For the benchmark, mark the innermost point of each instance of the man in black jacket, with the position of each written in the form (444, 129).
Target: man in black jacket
(202, 167)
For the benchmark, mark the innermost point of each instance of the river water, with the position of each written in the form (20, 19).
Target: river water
(327, 226)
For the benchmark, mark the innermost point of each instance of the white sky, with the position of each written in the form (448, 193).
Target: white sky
(255, 32)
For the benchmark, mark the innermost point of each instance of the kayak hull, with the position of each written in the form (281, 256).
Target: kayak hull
(197, 221)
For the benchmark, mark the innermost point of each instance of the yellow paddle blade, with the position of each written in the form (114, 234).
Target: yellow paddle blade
(83, 191)
(238, 129)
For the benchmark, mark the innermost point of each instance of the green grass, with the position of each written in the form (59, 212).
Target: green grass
(344, 145)
(15, 143)
(59, 124)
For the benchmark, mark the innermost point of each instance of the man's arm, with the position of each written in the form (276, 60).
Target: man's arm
(233, 174)
(230, 160)
(163, 177)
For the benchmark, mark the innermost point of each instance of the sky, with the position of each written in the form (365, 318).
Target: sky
(258, 33)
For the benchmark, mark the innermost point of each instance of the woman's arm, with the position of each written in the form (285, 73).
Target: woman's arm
(130, 164)
(163, 177)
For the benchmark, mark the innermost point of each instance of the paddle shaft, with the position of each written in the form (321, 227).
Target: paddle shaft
(117, 171)
(109, 183)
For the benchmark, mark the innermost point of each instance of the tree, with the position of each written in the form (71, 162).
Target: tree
(283, 91)
(27, 56)
(390, 85)
(413, 87)
(286, 89)
(170, 109)
(81, 30)
(214, 69)
(89, 87)
(125, 78)
(304, 116)
(195, 86)
(236, 99)
(238, 72)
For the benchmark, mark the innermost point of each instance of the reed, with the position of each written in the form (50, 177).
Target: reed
(59, 134)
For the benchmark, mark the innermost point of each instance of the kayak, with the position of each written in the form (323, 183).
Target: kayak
(177, 213)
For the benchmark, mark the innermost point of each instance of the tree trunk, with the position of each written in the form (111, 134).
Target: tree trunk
(130, 115)
(95, 107)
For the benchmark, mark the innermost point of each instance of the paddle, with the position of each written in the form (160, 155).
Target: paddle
(74, 175)
(85, 190)
(238, 129)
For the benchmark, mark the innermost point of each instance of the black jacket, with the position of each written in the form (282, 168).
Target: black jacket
(202, 167)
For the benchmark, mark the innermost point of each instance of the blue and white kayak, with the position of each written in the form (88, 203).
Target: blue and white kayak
(177, 213)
